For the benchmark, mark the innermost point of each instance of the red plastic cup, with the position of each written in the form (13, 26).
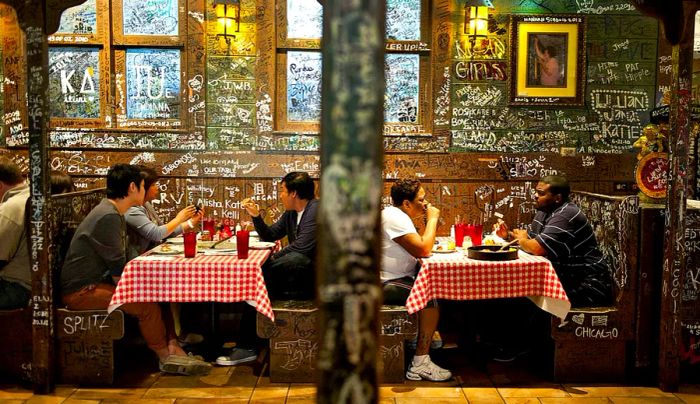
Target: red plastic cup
(459, 234)
(210, 225)
(190, 239)
(242, 238)
(477, 232)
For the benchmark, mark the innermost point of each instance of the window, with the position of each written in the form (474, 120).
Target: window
(299, 65)
(139, 57)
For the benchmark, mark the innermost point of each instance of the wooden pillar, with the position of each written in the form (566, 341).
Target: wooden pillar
(33, 20)
(351, 188)
(38, 19)
(675, 253)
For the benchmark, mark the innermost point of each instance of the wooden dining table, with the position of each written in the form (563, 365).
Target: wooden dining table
(454, 276)
(205, 278)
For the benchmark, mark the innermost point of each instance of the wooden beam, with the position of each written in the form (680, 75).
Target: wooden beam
(675, 254)
(38, 19)
(351, 183)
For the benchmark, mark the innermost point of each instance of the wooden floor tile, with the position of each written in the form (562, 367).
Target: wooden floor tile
(212, 401)
(574, 400)
(139, 401)
(645, 400)
(422, 400)
(615, 391)
(301, 390)
(427, 391)
(482, 395)
(104, 393)
(14, 393)
(533, 392)
(521, 400)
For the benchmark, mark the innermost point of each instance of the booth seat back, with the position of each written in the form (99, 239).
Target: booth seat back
(591, 344)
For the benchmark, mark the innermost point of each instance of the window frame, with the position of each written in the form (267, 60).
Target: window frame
(99, 39)
(284, 45)
(278, 80)
(422, 48)
(113, 45)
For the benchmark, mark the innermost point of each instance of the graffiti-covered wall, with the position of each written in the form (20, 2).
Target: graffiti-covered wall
(223, 115)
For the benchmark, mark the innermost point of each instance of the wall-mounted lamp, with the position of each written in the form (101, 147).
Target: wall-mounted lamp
(476, 19)
(228, 15)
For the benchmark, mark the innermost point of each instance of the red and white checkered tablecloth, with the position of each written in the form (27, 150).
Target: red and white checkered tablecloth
(204, 278)
(453, 276)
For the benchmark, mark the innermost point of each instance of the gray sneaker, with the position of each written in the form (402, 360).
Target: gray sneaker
(185, 365)
(238, 355)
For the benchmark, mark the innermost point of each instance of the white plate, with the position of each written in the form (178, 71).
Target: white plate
(175, 240)
(217, 251)
(444, 251)
(260, 245)
(171, 251)
(225, 245)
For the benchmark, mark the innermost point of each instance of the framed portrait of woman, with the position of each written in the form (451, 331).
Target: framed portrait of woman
(547, 60)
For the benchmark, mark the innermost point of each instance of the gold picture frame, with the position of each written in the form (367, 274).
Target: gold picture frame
(547, 60)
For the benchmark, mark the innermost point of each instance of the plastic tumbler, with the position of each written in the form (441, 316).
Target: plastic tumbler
(210, 225)
(476, 235)
(459, 234)
(242, 237)
(190, 239)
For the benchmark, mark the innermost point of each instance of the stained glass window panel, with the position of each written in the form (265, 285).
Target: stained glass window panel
(81, 19)
(403, 20)
(304, 19)
(153, 83)
(150, 17)
(74, 82)
(401, 99)
(304, 86)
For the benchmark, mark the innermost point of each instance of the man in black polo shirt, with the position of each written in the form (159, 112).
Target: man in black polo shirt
(562, 233)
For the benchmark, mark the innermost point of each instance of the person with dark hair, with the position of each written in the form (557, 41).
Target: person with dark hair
(96, 258)
(11, 179)
(548, 64)
(15, 272)
(289, 273)
(61, 183)
(145, 228)
(561, 232)
(402, 247)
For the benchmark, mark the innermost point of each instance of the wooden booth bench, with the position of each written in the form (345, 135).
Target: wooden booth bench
(84, 339)
(294, 341)
(592, 343)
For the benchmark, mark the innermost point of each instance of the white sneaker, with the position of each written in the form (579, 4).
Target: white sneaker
(428, 371)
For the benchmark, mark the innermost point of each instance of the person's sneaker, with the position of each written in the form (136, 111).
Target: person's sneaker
(428, 371)
(436, 343)
(505, 355)
(238, 355)
(190, 339)
(185, 365)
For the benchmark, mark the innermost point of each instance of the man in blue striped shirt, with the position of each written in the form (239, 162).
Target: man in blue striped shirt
(562, 233)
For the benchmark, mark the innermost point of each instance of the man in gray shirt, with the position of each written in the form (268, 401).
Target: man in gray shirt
(15, 273)
(11, 179)
(96, 258)
(14, 257)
